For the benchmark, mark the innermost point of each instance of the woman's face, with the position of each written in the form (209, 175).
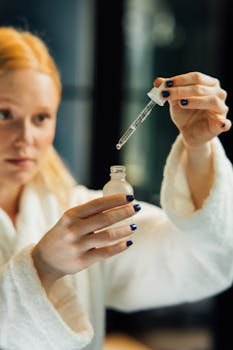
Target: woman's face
(28, 107)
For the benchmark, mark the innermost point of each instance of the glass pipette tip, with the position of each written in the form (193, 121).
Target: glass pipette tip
(132, 128)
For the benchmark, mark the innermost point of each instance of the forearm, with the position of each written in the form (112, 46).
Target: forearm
(198, 163)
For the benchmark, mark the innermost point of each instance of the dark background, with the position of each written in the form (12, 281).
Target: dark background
(108, 53)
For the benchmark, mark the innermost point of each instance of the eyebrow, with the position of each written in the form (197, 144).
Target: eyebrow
(5, 99)
(44, 109)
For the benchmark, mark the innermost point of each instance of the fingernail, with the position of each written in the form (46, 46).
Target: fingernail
(165, 93)
(133, 227)
(184, 102)
(137, 207)
(129, 243)
(169, 83)
(129, 197)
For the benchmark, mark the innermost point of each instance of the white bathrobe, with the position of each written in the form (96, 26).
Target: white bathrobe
(179, 255)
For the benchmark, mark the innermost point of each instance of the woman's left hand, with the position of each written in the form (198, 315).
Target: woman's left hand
(197, 106)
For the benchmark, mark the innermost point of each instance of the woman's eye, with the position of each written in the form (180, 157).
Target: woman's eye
(5, 114)
(40, 118)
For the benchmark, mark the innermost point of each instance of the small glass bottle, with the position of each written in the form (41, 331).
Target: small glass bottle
(117, 183)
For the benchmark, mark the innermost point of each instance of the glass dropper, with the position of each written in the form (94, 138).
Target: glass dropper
(155, 96)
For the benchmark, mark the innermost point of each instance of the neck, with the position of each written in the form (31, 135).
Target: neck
(9, 198)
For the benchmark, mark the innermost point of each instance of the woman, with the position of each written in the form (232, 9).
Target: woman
(60, 264)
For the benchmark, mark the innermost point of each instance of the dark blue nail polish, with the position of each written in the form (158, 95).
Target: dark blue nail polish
(133, 227)
(129, 243)
(129, 197)
(165, 93)
(137, 207)
(184, 102)
(169, 83)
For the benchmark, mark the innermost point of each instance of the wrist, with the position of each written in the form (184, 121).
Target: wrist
(199, 169)
(192, 149)
(46, 275)
(197, 155)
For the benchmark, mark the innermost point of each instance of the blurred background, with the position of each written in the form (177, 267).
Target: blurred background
(109, 53)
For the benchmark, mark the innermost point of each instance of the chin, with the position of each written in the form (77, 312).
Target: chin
(21, 178)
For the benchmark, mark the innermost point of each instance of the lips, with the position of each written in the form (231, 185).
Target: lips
(21, 161)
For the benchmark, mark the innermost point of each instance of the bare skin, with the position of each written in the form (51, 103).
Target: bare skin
(81, 238)
(28, 107)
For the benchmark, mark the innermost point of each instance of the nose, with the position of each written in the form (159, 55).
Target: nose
(24, 135)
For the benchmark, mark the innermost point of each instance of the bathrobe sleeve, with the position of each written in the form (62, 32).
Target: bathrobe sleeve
(29, 319)
(179, 254)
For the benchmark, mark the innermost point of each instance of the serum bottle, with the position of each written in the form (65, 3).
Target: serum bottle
(117, 183)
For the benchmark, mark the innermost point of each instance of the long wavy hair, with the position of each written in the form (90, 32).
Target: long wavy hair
(21, 49)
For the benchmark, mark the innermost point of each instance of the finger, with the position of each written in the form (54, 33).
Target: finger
(103, 220)
(217, 126)
(225, 125)
(202, 131)
(97, 254)
(105, 237)
(191, 78)
(158, 81)
(98, 205)
(210, 103)
(194, 78)
(182, 92)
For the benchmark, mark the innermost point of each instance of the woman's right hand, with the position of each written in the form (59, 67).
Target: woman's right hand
(82, 237)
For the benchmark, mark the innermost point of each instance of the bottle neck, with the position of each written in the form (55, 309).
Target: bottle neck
(118, 176)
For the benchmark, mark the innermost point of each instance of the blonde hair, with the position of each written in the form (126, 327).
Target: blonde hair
(21, 49)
